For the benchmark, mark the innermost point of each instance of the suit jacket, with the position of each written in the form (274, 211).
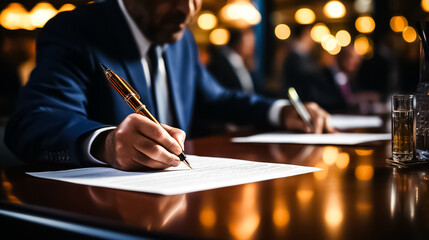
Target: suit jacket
(220, 67)
(68, 96)
(313, 84)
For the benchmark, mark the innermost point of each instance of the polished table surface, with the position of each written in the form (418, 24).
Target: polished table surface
(357, 196)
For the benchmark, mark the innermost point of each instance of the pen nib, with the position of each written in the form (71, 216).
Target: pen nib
(103, 67)
(187, 164)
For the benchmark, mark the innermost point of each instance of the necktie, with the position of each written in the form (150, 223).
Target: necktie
(159, 85)
(343, 82)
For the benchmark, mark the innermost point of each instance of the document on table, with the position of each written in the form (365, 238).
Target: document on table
(303, 138)
(208, 173)
(343, 122)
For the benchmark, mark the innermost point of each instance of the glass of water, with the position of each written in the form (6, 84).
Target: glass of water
(402, 127)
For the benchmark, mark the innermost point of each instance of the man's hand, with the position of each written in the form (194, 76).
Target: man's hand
(319, 117)
(139, 144)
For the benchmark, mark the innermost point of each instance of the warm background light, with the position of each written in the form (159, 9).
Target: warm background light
(282, 31)
(67, 7)
(305, 16)
(240, 14)
(320, 175)
(208, 217)
(329, 153)
(207, 21)
(364, 172)
(334, 9)
(343, 37)
(318, 31)
(343, 160)
(329, 43)
(13, 17)
(281, 215)
(219, 36)
(365, 24)
(41, 13)
(425, 5)
(409, 34)
(398, 23)
(361, 45)
(364, 152)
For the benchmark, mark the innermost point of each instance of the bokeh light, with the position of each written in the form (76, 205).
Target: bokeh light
(330, 153)
(398, 23)
(207, 21)
(334, 9)
(362, 45)
(318, 31)
(41, 13)
(343, 160)
(240, 14)
(282, 31)
(364, 172)
(14, 16)
(208, 217)
(409, 34)
(67, 7)
(305, 16)
(365, 24)
(425, 5)
(343, 37)
(219, 36)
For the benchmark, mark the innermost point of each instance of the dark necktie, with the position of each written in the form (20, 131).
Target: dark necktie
(153, 69)
(159, 85)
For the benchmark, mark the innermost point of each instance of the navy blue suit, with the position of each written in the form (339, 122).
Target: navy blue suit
(68, 96)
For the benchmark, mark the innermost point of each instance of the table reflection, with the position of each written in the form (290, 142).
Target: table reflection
(151, 212)
(408, 187)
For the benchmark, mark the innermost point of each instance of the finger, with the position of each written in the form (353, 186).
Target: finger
(297, 123)
(145, 163)
(157, 133)
(317, 115)
(318, 124)
(153, 152)
(177, 134)
(328, 127)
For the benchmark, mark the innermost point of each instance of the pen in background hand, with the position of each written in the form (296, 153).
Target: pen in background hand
(131, 97)
(300, 108)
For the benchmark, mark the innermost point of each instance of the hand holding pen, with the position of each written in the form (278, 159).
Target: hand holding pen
(139, 142)
(308, 117)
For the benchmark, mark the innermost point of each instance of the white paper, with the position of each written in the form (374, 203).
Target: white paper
(208, 173)
(343, 122)
(304, 138)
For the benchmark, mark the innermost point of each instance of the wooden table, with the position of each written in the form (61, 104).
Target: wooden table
(357, 196)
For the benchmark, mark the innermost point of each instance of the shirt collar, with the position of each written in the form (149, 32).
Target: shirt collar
(142, 42)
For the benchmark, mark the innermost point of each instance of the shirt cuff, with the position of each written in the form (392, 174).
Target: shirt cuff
(274, 112)
(88, 143)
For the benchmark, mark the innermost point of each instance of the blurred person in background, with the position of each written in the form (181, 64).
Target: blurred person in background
(338, 86)
(232, 64)
(300, 67)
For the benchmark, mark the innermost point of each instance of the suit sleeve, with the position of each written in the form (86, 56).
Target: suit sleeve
(51, 114)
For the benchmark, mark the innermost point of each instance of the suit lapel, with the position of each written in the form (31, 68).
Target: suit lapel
(128, 54)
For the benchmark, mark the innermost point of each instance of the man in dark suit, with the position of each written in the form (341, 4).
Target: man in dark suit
(67, 113)
(232, 64)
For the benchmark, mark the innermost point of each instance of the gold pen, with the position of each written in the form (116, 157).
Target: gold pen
(131, 97)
